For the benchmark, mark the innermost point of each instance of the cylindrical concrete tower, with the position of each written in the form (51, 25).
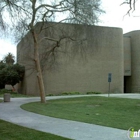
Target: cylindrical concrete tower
(135, 61)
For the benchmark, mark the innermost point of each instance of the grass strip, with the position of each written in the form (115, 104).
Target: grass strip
(112, 112)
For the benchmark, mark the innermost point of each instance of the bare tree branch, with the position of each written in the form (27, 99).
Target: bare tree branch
(131, 4)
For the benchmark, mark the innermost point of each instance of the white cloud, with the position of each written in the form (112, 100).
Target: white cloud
(115, 15)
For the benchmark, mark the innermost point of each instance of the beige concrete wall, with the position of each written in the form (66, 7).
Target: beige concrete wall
(127, 56)
(85, 64)
(134, 80)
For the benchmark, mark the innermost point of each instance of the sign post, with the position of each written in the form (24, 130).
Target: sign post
(109, 81)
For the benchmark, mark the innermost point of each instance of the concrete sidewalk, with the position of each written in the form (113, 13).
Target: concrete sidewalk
(12, 112)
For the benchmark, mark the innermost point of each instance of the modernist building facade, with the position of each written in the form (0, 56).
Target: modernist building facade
(83, 60)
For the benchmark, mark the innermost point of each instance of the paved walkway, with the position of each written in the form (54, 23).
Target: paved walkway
(12, 112)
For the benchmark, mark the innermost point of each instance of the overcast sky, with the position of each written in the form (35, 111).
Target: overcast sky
(114, 17)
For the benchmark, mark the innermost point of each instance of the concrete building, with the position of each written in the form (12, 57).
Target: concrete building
(84, 60)
(132, 62)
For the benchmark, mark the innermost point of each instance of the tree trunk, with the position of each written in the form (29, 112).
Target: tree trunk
(38, 68)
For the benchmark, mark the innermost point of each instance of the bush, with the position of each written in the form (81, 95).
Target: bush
(50, 94)
(2, 91)
(74, 93)
(10, 74)
(70, 93)
(93, 92)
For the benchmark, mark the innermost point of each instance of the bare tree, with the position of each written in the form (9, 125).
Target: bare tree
(85, 12)
(132, 5)
(25, 14)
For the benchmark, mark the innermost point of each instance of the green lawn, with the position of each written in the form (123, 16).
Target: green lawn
(9, 131)
(112, 112)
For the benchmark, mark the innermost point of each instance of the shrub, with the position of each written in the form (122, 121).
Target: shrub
(70, 93)
(10, 74)
(50, 94)
(2, 91)
(93, 92)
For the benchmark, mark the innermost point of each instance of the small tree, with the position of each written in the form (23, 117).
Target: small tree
(11, 77)
(20, 70)
(10, 74)
(9, 59)
(2, 73)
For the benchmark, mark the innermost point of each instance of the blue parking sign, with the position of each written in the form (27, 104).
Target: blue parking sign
(109, 77)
